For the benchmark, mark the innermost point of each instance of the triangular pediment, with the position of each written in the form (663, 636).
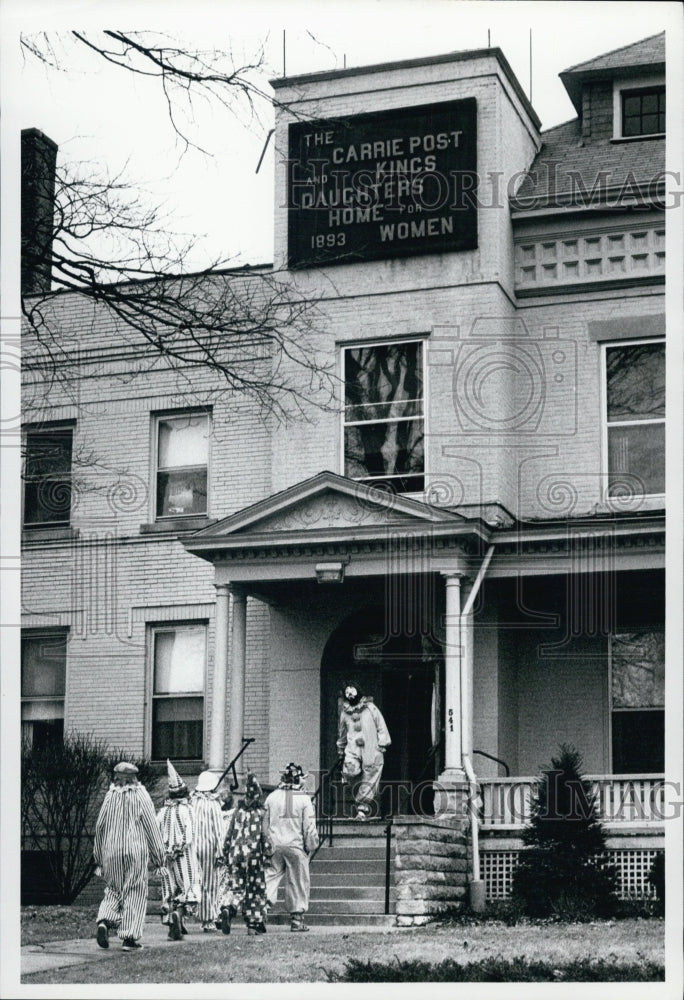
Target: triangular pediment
(326, 501)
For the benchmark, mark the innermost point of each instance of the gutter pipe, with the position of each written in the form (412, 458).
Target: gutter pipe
(477, 888)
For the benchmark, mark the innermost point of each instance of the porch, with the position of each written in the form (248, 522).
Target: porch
(631, 807)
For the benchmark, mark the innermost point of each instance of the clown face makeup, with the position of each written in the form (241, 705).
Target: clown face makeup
(352, 694)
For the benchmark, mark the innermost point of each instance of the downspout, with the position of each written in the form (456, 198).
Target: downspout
(477, 893)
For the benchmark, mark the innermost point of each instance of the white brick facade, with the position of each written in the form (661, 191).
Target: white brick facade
(114, 572)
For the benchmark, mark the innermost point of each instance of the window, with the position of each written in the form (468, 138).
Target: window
(47, 477)
(637, 663)
(182, 459)
(635, 398)
(643, 111)
(43, 681)
(179, 656)
(384, 415)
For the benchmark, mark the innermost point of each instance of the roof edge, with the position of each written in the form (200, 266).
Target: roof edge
(462, 56)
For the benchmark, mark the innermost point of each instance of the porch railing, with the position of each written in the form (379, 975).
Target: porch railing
(627, 799)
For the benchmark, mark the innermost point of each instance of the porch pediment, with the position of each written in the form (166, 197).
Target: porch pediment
(325, 502)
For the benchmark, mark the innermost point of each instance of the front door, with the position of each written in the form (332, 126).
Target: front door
(402, 675)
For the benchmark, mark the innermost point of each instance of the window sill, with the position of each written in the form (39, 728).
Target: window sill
(38, 533)
(176, 525)
(184, 767)
(638, 138)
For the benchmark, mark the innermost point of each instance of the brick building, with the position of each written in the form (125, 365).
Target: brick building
(475, 532)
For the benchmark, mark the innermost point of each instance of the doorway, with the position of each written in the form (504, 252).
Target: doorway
(403, 674)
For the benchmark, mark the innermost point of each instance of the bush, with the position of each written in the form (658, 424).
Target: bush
(61, 785)
(656, 878)
(563, 874)
(497, 970)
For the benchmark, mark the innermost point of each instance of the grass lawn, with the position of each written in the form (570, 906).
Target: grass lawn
(56, 923)
(282, 957)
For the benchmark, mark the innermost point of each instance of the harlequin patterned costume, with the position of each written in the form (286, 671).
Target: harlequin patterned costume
(181, 881)
(362, 739)
(246, 851)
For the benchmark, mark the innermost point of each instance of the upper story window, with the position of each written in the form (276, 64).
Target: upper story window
(179, 657)
(643, 111)
(635, 417)
(384, 415)
(182, 463)
(47, 477)
(43, 683)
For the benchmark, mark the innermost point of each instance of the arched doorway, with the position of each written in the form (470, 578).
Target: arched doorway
(403, 673)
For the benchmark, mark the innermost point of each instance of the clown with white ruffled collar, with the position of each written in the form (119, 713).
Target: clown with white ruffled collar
(362, 739)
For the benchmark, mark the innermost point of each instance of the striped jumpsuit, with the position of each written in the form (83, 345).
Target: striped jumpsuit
(209, 831)
(127, 838)
(181, 879)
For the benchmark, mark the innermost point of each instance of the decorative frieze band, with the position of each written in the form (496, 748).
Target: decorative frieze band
(572, 259)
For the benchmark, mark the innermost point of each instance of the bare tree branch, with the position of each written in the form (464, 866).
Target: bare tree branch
(249, 329)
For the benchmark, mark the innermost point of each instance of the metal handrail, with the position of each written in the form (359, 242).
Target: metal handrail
(324, 817)
(388, 863)
(497, 760)
(235, 784)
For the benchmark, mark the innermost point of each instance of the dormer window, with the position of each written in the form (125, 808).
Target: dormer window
(643, 111)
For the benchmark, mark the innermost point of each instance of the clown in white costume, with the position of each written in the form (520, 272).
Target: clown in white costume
(362, 739)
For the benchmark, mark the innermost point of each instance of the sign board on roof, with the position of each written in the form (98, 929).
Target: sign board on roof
(385, 184)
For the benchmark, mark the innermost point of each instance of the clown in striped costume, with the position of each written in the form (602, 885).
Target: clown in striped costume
(209, 831)
(127, 838)
(181, 880)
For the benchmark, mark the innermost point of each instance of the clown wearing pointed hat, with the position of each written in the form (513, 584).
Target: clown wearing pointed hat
(181, 880)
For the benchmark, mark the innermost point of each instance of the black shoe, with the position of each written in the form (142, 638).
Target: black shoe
(102, 936)
(130, 944)
(226, 918)
(176, 932)
(260, 928)
(298, 924)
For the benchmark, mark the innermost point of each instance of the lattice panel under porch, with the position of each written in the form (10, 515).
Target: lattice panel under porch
(633, 865)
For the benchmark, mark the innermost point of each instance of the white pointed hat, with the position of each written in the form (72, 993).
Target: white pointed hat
(175, 780)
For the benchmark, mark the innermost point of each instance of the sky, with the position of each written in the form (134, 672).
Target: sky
(105, 116)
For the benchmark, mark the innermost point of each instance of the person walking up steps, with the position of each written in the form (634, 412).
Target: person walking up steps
(127, 838)
(362, 739)
(290, 824)
(208, 826)
(181, 880)
(246, 850)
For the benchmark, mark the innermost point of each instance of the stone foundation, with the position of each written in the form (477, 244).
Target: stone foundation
(430, 867)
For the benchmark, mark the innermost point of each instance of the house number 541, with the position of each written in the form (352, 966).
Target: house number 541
(451, 720)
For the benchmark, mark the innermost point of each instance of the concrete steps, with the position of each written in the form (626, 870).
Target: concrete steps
(347, 880)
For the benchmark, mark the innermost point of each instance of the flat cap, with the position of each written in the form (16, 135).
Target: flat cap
(125, 768)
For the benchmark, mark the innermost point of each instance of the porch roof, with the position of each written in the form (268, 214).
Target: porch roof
(331, 517)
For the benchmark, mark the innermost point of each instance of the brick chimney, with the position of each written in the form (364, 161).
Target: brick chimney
(38, 162)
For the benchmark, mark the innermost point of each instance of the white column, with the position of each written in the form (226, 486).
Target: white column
(217, 739)
(453, 748)
(238, 662)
